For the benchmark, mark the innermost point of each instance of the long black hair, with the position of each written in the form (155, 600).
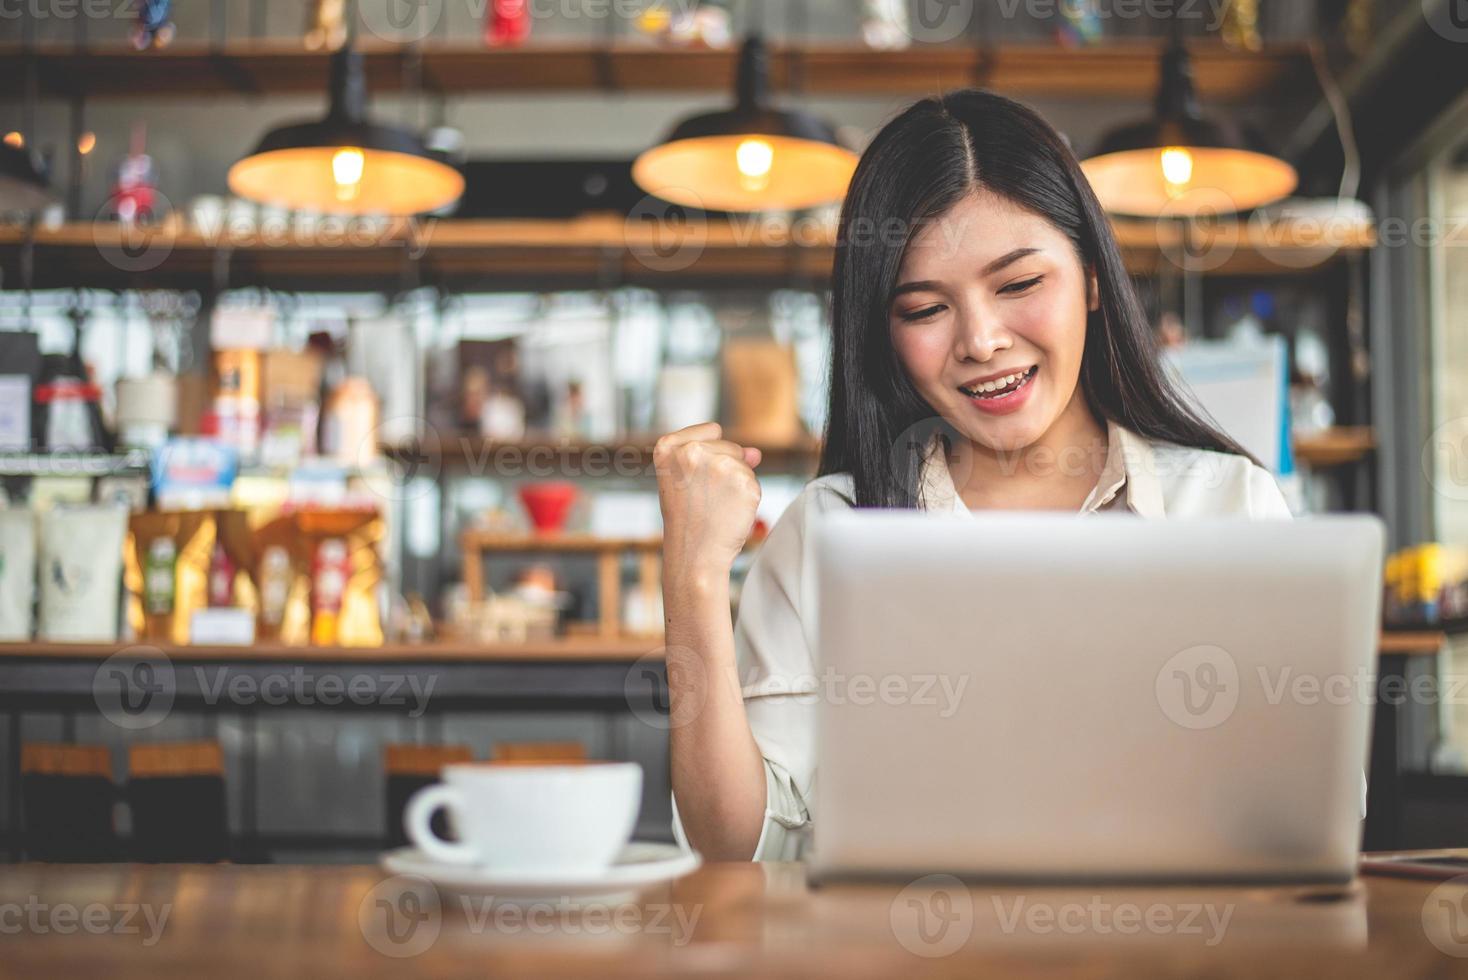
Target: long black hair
(921, 164)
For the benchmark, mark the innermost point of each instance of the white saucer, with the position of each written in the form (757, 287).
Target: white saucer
(640, 865)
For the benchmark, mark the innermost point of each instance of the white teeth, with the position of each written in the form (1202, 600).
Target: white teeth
(1000, 383)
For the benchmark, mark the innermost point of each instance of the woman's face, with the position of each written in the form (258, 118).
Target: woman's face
(989, 320)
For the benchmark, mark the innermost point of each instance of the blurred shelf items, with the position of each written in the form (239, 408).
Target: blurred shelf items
(330, 415)
(1427, 588)
(312, 471)
(343, 471)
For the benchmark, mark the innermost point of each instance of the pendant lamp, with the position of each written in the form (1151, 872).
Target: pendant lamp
(22, 179)
(752, 157)
(345, 163)
(1179, 163)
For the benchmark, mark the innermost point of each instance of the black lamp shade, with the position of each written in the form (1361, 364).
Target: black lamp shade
(1136, 168)
(303, 165)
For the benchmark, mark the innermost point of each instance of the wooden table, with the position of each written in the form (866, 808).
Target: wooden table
(725, 919)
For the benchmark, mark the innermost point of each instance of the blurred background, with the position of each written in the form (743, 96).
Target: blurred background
(334, 338)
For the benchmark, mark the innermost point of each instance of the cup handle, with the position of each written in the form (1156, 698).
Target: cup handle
(416, 821)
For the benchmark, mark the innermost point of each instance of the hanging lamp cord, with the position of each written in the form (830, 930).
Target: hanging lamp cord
(1336, 99)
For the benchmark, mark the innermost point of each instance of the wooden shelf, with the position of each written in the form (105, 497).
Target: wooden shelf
(1335, 447)
(1424, 643)
(499, 541)
(510, 254)
(594, 248)
(563, 649)
(1115, 69)
(568, 649)
(1237, 248)
(475, 543)
(467, 454)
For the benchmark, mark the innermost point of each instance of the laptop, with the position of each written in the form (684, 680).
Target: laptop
(1034, 697)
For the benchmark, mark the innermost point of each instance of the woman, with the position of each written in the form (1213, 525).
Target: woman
(989, 353)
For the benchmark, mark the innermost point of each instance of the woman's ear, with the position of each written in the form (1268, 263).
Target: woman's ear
(1093, 290)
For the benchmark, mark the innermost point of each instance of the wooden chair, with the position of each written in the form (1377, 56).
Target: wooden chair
(67, 796)
(409, 768)
(176, 792)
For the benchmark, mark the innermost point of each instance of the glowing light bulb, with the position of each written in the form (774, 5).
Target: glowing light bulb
(15, 139)
(755, 159)
(1177, 167)
(86, 143)
(346, 169)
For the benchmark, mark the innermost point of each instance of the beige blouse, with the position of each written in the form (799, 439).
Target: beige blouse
(774, 635)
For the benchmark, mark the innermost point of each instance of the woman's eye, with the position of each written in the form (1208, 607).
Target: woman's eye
(1023, 286)
(925, 314)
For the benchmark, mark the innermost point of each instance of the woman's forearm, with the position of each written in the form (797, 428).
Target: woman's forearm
(709, 496)
(717, 769)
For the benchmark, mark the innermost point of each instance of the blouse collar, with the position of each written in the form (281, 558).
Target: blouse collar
(1129, 473)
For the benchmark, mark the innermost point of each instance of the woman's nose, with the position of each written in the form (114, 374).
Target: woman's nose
(980, 338)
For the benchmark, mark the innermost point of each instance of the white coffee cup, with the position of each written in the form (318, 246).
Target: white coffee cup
(538, 819)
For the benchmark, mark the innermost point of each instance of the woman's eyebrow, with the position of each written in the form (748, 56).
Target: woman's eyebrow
(1007, 259)
(914, 287)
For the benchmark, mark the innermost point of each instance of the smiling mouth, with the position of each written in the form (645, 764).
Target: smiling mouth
(1001, 387)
